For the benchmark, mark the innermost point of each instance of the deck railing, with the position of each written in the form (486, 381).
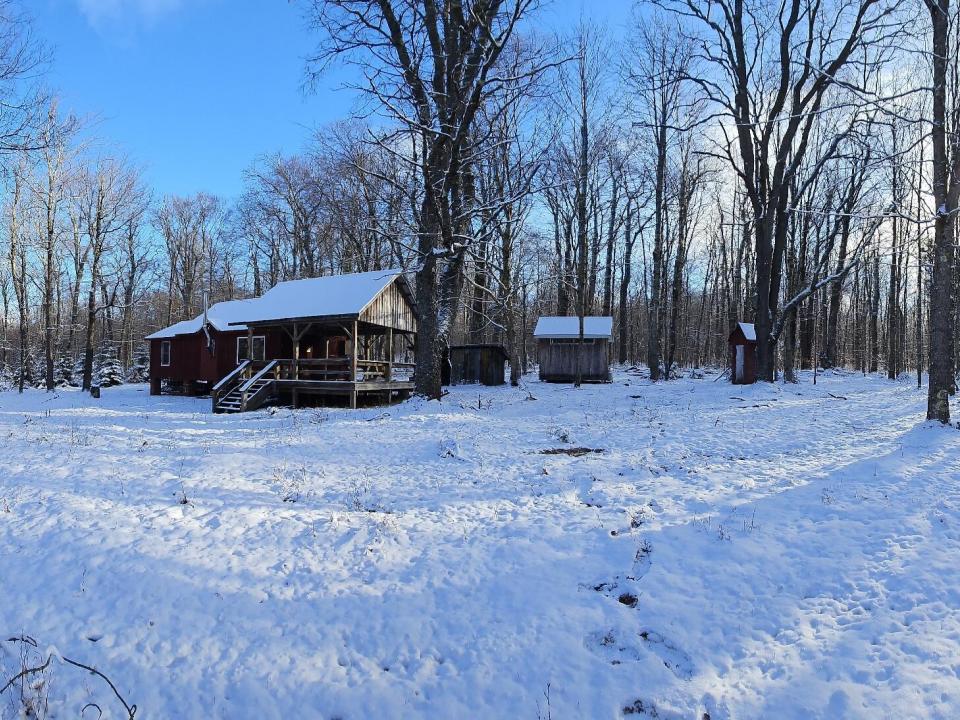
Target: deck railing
(340, 369)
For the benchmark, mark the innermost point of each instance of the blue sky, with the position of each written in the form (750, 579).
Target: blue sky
(194, 90)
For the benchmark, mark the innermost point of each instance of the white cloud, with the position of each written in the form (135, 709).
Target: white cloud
(105, 14)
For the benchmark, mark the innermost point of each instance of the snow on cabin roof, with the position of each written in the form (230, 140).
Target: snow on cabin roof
(569, 327)
(221, 316)
(749, 331)
(331, 295)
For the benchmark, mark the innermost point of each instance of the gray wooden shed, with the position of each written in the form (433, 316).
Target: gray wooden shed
(558, 344)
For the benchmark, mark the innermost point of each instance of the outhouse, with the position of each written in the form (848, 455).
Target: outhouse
(743, 354)
(477, 364)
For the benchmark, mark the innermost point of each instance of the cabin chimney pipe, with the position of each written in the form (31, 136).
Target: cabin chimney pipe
(206, 330)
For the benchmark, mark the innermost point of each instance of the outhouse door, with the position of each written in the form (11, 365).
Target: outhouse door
(740, 358)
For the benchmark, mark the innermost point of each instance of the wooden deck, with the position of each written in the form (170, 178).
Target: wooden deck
(252, 385)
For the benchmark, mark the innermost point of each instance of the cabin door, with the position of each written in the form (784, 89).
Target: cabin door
(739, 366)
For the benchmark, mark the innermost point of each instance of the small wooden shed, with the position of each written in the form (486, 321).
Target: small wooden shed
(477, 364)
(743, 354)
(558, 345)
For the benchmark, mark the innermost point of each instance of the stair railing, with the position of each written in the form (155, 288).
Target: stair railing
(227, 381)
(268, 369)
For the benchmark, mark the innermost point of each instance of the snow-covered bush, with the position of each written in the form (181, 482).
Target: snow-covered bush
(64, 372)
(139, 372)
(32, 372)
(109, 370)
(78, 372)
(7, 377)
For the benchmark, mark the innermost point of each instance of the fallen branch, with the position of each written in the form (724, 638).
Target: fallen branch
(130, 709)
(574, 451)
(838, 397)
(25, 672)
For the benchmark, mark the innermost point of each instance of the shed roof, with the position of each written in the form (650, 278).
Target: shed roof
(749, 331)
(569, 327)
(329, 296)
(221, 316)
(480, 346)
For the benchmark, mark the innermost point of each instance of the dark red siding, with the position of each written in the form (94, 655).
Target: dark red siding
(191, 361)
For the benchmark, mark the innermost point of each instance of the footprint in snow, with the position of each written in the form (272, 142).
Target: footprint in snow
(620, 589)
(608, 646)
(648, 709)
(641, 708)
(676, 660)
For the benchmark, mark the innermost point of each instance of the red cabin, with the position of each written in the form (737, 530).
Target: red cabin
(743, 354)
(343, 336)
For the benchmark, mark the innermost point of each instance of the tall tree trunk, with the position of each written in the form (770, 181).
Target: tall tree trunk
(946, 187)
(582, 229)
(624, 325)
(659, 239)
(836, 294)
(611, 242)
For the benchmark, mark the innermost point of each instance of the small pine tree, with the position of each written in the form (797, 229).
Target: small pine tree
(63, 372)
(32, 373)
(109, 370)
(8, 378)
(77, 375)
(139, 372)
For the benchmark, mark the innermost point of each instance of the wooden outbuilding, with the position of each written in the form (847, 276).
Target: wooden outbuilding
(559, 345)
(348, 336)
(477, 364)
(743, 354)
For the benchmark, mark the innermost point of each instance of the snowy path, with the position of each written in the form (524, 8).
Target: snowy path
(746, 552)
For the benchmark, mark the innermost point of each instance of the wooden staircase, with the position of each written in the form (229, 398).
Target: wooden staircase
(242, 390)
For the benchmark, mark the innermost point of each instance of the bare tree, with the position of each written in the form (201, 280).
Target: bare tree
(191, 228)
(17, 257)
(110, 190)
(49, 189)
(660, 63)
(945, 146)
(430, 65)
(775, 70)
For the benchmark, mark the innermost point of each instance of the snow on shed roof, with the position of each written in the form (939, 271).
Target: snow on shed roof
(331, 295)
(221, 316)
(569, 327)
(749, 331)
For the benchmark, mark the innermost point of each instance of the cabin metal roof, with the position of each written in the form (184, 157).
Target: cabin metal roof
(336, 296)
(221, 316)
(331, 296)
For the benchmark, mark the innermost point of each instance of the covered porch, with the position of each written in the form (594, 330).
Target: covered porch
(343, 358)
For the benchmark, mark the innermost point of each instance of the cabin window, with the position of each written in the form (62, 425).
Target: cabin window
(165, 353)
(258, 352)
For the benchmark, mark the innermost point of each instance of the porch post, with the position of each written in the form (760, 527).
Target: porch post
(389, 354)
(353, 365)
(296, 353)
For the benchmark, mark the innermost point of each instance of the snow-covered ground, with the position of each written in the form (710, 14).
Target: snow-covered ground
(742, 552)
